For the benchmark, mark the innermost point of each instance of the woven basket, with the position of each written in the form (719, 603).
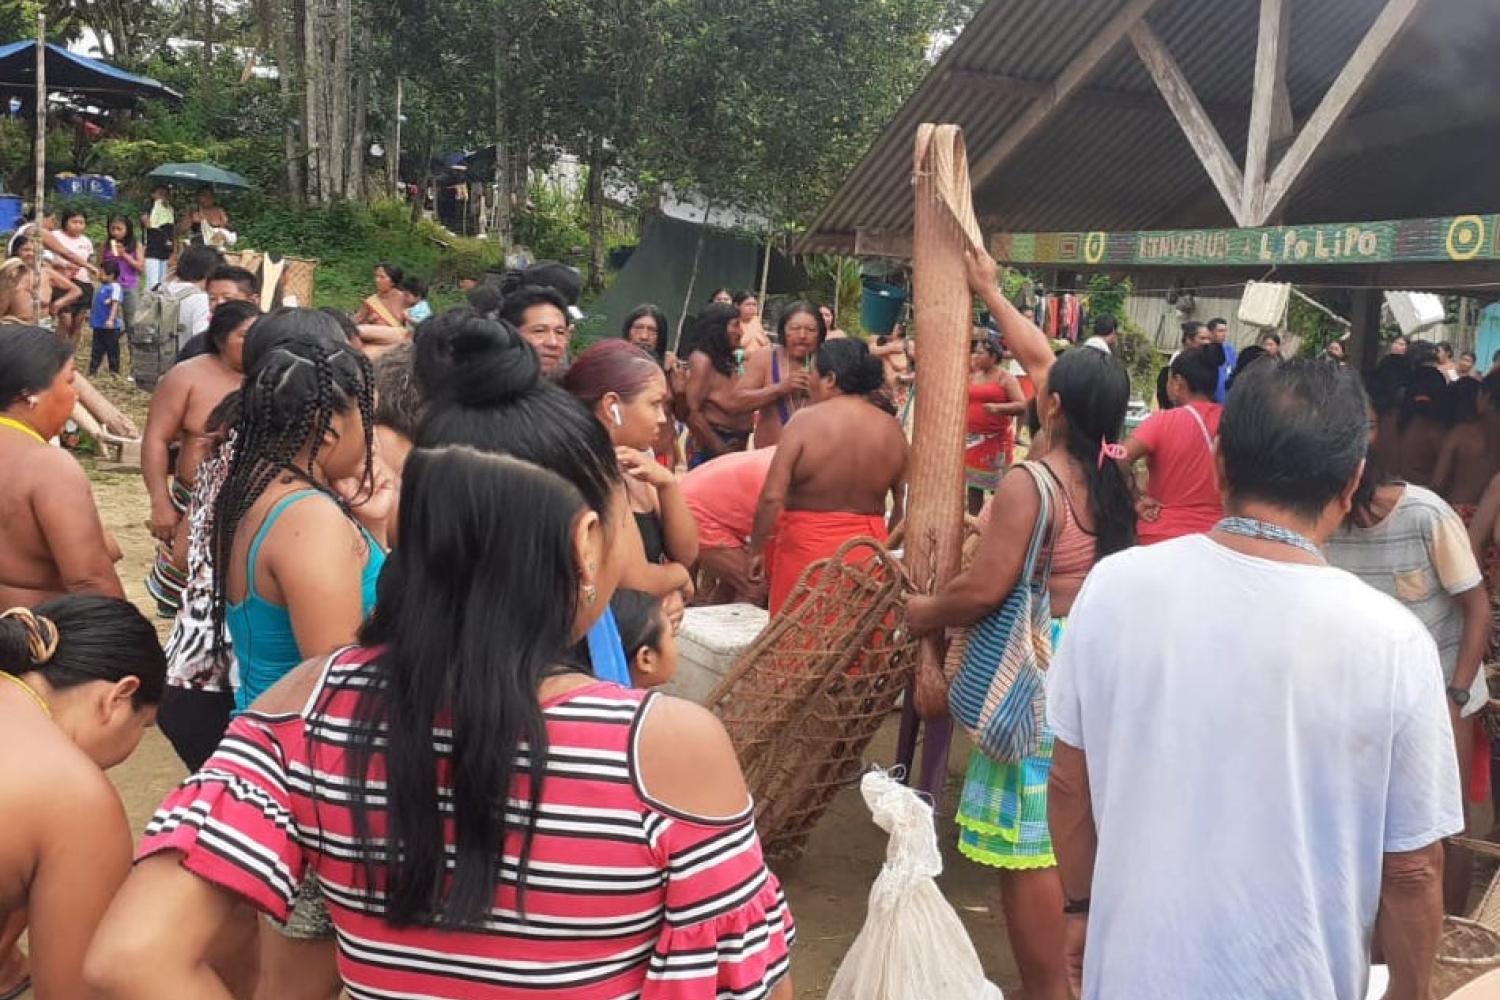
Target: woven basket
(297, 279)
(1467, 951)
(804, 701)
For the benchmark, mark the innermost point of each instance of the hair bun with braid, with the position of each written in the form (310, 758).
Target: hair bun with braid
(27, 640)
(469, 360)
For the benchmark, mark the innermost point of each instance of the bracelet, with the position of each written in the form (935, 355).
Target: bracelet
(1073, 907)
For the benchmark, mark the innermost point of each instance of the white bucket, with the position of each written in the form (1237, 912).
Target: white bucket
(712, 638)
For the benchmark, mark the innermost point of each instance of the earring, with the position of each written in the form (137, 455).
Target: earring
(32, 401)
(590, 593)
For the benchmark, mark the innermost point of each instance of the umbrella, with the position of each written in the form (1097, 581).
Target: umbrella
(198, 173)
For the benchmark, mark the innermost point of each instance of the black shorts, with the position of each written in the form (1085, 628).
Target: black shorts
(194, 721)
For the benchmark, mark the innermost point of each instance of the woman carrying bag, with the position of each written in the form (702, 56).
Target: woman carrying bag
(1052, 519)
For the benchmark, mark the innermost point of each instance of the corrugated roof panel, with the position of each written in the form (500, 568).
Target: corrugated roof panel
(1123, 163)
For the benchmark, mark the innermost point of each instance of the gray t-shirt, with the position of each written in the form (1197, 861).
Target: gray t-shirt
(1420, 555)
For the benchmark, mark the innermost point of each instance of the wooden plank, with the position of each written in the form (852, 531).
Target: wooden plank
(1336, 104)
(1270, 70)
(1449, 239)
(877, 243)
(1004, 85)
(1196, 125)
(1065, 86)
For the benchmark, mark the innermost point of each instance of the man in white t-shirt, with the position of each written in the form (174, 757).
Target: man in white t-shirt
(194, 265)
(1106, 331)
(1231, 804)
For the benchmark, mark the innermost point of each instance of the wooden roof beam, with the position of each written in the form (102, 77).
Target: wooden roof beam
(1270, 76)
(1002, 85)
(1068, 82)
(1196, 125)
(1346, 90)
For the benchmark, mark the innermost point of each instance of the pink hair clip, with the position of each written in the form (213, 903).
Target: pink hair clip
(1116, 452)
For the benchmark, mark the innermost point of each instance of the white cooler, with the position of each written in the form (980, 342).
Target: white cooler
(712, 638)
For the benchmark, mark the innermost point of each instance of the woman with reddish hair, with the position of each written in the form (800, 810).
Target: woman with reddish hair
(625, 389)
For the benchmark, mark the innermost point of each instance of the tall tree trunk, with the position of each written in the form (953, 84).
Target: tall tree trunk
(340, 86)
(288, 84)
(502, 149)
(595, 196)
(687, 298)
(313, 73)
(359, 140)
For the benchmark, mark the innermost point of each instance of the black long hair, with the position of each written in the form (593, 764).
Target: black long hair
(855, 371)
(711, 336)
(299, 373)
(30, 358)
(227, 318)
(796, 308)
(1094, 391)
(660, 318)
(473, 614)
(464, 574)
(80, 638)
(128, 243)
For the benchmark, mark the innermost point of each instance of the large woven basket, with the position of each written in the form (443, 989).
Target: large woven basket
(1467, 951)
(804, 701)
(297, 279)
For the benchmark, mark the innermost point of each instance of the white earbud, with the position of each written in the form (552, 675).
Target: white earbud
(614, 410)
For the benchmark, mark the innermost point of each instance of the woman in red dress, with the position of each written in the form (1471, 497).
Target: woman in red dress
(995, 400)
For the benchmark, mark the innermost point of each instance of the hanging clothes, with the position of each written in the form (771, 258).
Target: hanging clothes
(1487, 338)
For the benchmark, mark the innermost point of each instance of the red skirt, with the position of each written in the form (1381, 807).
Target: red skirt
(804, 537)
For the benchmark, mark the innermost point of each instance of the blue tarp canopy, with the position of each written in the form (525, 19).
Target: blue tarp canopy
(94, 82)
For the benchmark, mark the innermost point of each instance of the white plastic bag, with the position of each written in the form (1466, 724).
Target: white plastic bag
(912, 946)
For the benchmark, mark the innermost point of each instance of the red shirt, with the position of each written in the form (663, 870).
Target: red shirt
(1181, 462)
(723, 493)
(625, 897)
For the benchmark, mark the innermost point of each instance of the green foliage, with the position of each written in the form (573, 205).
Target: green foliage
(1315, 328)
(827, 272)
(1132, 345)
(553, 226)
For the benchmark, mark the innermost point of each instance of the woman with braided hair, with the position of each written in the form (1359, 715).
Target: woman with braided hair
(80, 677)
(294, 572)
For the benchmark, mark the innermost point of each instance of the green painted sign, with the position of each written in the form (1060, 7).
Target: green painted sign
(1459, 238)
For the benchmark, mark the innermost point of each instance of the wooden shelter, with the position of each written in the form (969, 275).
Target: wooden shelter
(1205, 141)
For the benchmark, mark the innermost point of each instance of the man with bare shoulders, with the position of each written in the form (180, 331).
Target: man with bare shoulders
(777, 377)
(838, 463)
(180, 409)
(1464, 466)
(718, 425)
(51, 539)
(57, 294)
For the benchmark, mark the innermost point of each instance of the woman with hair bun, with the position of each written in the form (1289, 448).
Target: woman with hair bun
(622, 860)
(839, 463)
(80, 678)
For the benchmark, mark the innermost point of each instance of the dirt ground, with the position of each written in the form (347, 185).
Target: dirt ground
(828, 886)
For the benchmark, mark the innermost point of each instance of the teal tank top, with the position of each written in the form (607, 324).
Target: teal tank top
(261, 632)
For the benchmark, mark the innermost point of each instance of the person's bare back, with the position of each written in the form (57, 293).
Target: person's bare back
(850, 456)
(51, 539)
(208, 380)
(1464, 469)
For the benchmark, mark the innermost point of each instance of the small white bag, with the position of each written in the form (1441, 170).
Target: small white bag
(912, 946)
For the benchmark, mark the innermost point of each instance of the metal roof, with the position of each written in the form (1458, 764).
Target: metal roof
(70, 73)
(1114, 158)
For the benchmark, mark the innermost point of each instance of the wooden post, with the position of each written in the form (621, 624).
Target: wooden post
(395, 160)
(765, 271)
(943, 306)
(1270, 80)
(39, 200)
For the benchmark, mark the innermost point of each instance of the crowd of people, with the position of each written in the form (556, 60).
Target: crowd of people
(424, 572)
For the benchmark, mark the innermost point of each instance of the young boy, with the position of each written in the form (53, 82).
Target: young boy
(417, 307)
(107, 319)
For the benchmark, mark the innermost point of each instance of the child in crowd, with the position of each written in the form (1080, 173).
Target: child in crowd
(417, 306)
(159, 226)
(107, 318)
(646, 633)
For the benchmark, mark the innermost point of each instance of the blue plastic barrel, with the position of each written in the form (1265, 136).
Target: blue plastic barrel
(10, 212)
(880, 306)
